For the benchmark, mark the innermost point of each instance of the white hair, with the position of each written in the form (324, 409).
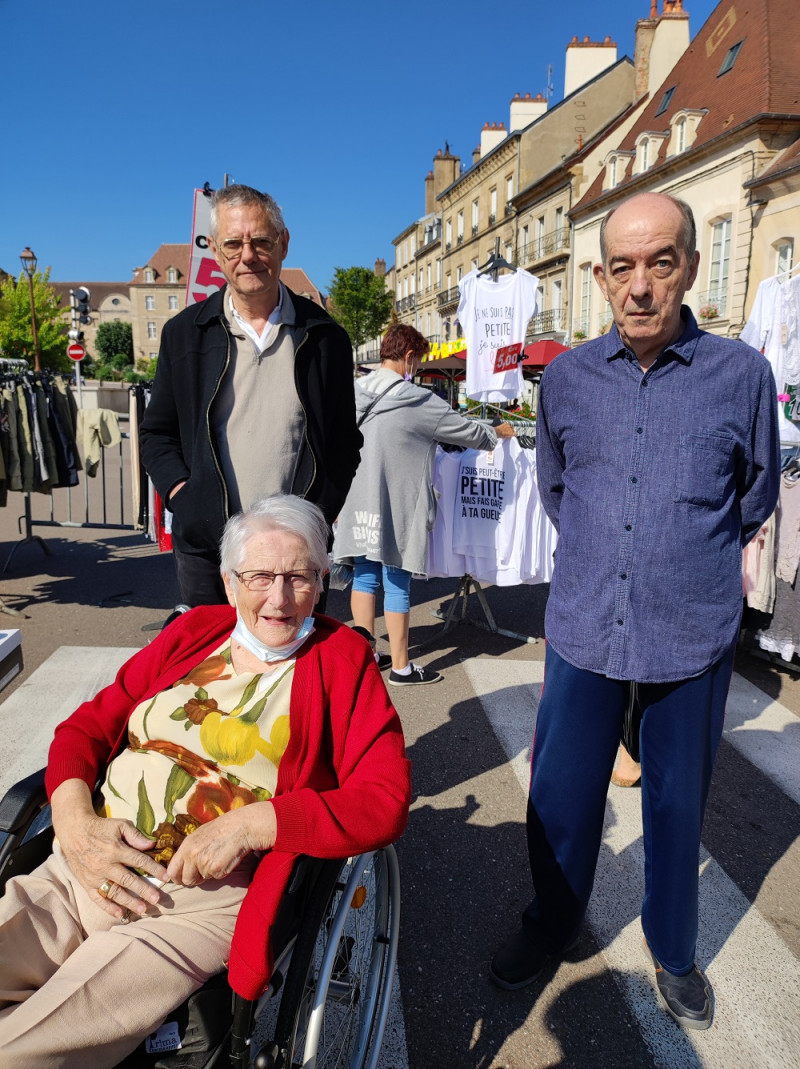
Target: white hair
(238, 196)
(280, 512)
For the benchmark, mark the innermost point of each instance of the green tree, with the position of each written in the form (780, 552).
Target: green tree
(359, 300)
(16, 335)
(114, 339)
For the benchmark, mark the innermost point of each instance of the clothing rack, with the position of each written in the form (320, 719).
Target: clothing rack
(467, 584)
(43, 435)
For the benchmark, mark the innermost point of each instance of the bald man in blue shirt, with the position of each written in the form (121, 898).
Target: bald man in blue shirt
(658, 460)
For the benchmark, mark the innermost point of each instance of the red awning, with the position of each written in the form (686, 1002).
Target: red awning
(540, 353)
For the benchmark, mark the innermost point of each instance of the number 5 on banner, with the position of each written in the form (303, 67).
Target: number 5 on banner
(506, 358)
(208, 274)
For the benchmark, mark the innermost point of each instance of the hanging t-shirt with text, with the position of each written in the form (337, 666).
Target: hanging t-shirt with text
(493, 316)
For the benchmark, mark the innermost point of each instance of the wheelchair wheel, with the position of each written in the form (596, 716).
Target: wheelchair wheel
(336, 998)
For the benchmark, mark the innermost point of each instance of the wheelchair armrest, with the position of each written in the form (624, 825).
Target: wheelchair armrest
(22, 802)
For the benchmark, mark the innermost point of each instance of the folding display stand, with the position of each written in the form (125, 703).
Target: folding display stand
(467, 585)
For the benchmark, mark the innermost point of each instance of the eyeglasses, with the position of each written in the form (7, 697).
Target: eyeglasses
(232, 248)
(299, 581)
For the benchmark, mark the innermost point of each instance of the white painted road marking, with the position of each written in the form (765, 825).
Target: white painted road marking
(755, 976)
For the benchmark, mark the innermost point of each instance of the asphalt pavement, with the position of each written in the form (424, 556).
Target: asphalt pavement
(463, 857)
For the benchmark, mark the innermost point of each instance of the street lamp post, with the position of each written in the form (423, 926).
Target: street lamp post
(28, 260)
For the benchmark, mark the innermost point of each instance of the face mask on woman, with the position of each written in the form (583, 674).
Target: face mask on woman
(245, 637)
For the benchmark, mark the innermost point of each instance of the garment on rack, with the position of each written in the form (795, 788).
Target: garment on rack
(490, 523)
(98, 428)
(783, 634)
(37, 451)
(493, 315)
(759, 582)
(774, 329)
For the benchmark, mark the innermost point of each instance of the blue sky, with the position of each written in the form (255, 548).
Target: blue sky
(115, 111)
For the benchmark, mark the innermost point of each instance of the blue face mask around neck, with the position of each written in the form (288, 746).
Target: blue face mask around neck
(245, 637)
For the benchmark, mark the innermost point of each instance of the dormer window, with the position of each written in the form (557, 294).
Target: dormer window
(149, 274)
(683, 130)
(644, 153)
(616, 165)
(172, 274)
(680, 134)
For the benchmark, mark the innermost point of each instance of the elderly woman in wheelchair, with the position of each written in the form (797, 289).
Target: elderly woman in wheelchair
(242, 737)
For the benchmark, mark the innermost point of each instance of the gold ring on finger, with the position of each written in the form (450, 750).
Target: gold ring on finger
(105, 888)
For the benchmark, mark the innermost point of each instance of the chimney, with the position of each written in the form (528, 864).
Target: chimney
(476, 155)
(491, 136)
(446, 169)
(585, 60)
(430, 200)
(661, 40)
(524, 110)
(380, 267)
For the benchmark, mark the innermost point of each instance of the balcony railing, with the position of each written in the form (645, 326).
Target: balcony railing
(474, 230)
(549, 321)
(546, 245)
(449, 296)
(711, 305)
(406, 304)
(460, 239)
(492, 219)
(509, 208)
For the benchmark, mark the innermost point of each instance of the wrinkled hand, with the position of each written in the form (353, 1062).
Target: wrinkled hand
(103, 848)
(216, 848)
(504, 430)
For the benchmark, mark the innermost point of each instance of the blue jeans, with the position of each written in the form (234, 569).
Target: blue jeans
(396, 583)
(578, 731)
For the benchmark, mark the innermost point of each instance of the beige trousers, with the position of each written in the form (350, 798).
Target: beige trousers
(78, 988)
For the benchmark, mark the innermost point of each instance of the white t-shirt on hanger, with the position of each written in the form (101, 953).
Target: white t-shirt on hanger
(492, 316)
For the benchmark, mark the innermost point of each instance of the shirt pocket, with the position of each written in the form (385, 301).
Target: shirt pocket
(705, 469)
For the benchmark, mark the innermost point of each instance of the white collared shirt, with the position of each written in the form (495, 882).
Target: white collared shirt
(281, 314)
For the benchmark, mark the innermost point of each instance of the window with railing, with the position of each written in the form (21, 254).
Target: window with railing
(546, 322)
(713, 303)
(545, 245)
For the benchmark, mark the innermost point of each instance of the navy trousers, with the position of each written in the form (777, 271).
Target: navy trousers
(578, 730)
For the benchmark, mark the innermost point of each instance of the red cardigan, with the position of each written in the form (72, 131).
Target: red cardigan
(344, 783)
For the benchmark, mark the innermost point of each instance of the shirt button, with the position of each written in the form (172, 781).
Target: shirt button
(634, 479)
(644, 382)
(619, 621)
(639, 430)
(623, 575)
(628, 527)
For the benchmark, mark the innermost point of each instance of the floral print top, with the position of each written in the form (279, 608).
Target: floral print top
(211, 743)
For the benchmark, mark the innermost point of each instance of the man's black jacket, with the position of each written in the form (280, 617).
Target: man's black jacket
(176, 436)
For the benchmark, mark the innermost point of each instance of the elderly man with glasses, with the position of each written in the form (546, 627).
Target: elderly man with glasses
(253, 395)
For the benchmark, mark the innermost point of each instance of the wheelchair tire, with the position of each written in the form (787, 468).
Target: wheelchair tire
(337, 992)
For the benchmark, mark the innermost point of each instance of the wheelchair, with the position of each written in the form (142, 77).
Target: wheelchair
(335, 950)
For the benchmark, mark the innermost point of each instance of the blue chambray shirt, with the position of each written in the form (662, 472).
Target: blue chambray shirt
(655, 481)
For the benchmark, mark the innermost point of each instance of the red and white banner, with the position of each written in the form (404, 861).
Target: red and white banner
(204, 274)
(507, 358)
